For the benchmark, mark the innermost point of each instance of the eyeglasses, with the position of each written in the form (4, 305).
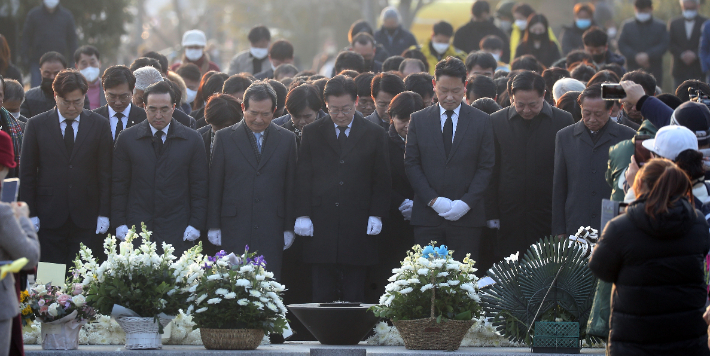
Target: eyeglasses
(76, 103)
(335, 111)
(164, 110)
(115, 97)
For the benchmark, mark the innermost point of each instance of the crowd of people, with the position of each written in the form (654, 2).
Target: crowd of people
(486, 139)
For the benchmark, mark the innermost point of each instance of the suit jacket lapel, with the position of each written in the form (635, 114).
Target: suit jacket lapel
(461, 126)
(328, 131)
(580, 130)
(239, 135)
(85, 125)
(434, 125)
(356, 132)
(270, 145)
(135, 116)
(57, 132)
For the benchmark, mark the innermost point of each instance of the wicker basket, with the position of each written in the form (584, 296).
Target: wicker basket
(231, 339)
(141, 333)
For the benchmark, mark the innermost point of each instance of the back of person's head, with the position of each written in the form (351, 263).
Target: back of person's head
(569, 103)
(645, 80)
(87, 50)
(145, 62)
(357, 27)
(501, 85)
(146, 76)
(53, 57)
(281, 92)
(302, 97)
(364, 84)
(503, 99)
(450, 67)
(415, 53)
(491, 43)
(669, 99)
(420, 83)
(223, 110)
(584, 6)
(487, 105)
(320, 84)
(285, 70)
(617, 69)
(163, 60)
(566, 85)
(281, 50)
(552, 75)
(595, 37)
(214, 85)
(578, 56)
(443, 28)
(392, 63)
(412, 62)
(500, 74)
(523, 9)
(404, 105)
(189, 71)
(484, 60)
(527, 62)
(695, 85)
(695, 117)
(349, 73)
(178, 89)
(349, 60)
(603, 76)
(480, 7)
(258, 91)
(305, 73)
(116, 75)
(259, 33)
(643, 4)
(662, 183)
(480, 86)
(388, 83)
(691, 162)
(583, 73)
(236, 84)
(363, 39)
(13, 90)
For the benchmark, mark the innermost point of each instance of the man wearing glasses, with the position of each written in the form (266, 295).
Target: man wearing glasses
(343, 188)
(384, 87)
(118, 83)
(160, 175)
(66, 172)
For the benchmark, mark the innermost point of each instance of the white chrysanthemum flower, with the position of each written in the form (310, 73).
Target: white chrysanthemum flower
(413, 281)
(442, 274)
(230, 295)
(272, 307)
(214, 300)
(243, 302)
(215, 277)
(426, 287)
(200, 299)
(241, 282)
(260, 277)
(247, 268)
(255, 293)
(198, 311)
(221, 291)
(454, 282)
(259, 305)
(406, 290)
(423, 271)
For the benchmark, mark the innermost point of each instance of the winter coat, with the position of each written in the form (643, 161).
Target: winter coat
(571, 38)
(45, 32)
(399, 42)
(547, 54)
(468, 37)
(433, 57)
(650, 37)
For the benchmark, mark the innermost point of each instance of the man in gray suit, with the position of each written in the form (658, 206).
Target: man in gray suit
(449, 160)
(252, 177)
(581, 156)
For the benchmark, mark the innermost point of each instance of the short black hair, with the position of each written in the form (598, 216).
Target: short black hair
(617, 69)
(524, 9)
(501, 73)
(404, 105)
(69, 80)
(340, 85)
(305, 73)
(258, 33)
(419, 83)
(320, 84)
(88, 50)
(415, 53)
(501, 85)
(235, 84)
(479, 7)
(285, 69)
(646, 80)
(53, 57)
(577, 56)
(258, 91)
(482, 59)
(491, 41)
(603, 76)
(406, 61)
(595, 37)
(682, 91)
(487, 105)
(583, 73)
(349, 60)
(213, 85)
(588, 7)
(451, 67)
(189, 71)
(364, 84)
(116, 75)
(357, 27)
(643, 4)
(526, 62)
(481, 86)
(302, 97)
(175, 87)
(593, 92)
(364, 39)
(568, 102)
(162, 87)
(526, 80)
(392, 63)
(145, 62)
(552, 75)
(281, 50)
(13, 90)
(669, 99)
(281, 92)
(163, 60)
(388, 82)
(443, 28)
(223, 110)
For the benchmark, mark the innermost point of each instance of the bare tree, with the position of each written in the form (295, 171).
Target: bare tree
(408, 10)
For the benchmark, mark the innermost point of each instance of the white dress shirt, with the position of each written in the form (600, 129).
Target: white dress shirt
(689, 28)
(114, 120)
(347, 131)
(63, 124)
(165, 131)
(454, 119)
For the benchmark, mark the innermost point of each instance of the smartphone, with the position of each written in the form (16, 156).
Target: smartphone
(10, 189)
(613, 92)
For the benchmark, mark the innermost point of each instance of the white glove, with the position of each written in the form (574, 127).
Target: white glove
(215, 236)
(303, 226)
(121, 232)
(493, 224)
(374, 225)
(442, 205)
(289, 237)
(191, 234)
(406, 209)
(102, 224)
(35, 222)
(458, 209)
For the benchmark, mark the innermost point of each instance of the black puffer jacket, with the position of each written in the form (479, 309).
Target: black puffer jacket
(659, 292)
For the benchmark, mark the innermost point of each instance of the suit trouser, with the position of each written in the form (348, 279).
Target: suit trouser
(334, 282)
(62, 244)
(460, 239)
(5, 334)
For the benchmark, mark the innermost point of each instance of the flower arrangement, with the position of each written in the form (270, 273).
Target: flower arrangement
(49, 303)
(236, 292)
(425, 271)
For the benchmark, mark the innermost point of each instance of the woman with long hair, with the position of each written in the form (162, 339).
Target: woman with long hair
(7, 69)
(537, 42)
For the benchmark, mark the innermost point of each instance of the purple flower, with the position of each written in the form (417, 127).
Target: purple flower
(220, 254)
(258, 261)
(206, 266)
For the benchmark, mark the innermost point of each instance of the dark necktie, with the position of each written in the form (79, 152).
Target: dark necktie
(448, 132)
(342, 137)
(119, 125)
(158, 142)
(69, 136)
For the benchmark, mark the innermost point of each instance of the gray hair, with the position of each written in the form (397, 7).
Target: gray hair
(14, 90)
(390, 12)
(145, 77)
(258, 91)
(565, 85)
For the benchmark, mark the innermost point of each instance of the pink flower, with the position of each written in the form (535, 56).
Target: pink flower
(78, 289)
(41, 302)
(62, 299)
(43, 309)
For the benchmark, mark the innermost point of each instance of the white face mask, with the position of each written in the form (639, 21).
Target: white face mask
(193, 54)
(522, 24)
(90, 73)
(259, 52)
(190, 95)
(505, 25)
(496, 56)
(643, 16)
(440, 48)
(51, 3)
(16, 115)
(690, 14)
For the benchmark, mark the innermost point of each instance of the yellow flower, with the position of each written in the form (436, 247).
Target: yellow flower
(27, 310)
(24, 295)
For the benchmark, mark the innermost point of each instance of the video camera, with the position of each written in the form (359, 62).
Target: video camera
(699, 96)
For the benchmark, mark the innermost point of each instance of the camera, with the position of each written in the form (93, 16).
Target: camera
(613, 92)
(698, 96)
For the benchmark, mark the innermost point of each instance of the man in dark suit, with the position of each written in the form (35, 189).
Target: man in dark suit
(343, 189)
(252, 179)
(384, 87)
(685, 34)
(160, 175)
(66, 172)
(118, 83)
(449, 160)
